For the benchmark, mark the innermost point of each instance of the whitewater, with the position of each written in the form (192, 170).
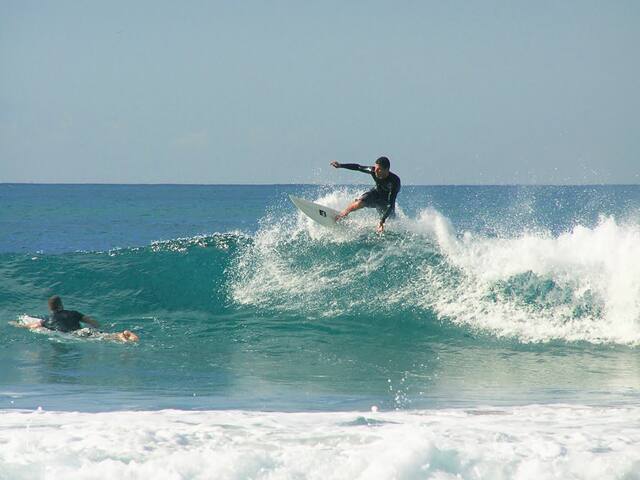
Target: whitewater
(491, 332)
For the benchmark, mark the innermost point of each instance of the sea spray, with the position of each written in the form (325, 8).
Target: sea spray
(575, 286)
(579, 285)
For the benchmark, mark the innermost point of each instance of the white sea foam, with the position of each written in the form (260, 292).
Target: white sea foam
(599, 265)
(540, 442)
(266, 272)
(582, 285)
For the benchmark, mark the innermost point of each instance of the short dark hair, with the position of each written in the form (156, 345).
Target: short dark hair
(55, 303)
(384, 163)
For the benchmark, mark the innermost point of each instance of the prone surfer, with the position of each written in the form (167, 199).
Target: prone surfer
(382, 197)
(69, 321)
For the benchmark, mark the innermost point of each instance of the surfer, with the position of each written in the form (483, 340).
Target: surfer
(69, 321)
(382, 197)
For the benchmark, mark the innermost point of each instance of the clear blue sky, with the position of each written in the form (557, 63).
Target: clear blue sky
(485, 92)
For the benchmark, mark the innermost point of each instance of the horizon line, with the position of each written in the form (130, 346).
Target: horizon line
(322, 184)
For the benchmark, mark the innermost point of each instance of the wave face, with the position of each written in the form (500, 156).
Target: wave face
(471, 295)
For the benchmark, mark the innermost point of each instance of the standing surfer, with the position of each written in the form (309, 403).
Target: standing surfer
(382, 197)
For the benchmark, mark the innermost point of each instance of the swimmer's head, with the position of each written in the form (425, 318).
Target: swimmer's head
(55, 303)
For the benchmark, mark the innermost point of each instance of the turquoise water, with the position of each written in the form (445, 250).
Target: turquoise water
(498, 296)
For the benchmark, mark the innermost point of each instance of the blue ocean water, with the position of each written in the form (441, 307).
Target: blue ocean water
(476, 295)
(495, 316)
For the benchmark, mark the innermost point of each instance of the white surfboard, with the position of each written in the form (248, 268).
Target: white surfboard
(325, 216)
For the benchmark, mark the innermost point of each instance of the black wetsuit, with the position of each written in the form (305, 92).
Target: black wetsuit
(383, 196)
(64, 321)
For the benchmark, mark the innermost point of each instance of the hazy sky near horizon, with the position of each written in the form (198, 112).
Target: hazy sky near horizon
(460, 92)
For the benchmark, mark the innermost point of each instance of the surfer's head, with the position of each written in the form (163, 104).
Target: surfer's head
(381, 167)
(55, 303)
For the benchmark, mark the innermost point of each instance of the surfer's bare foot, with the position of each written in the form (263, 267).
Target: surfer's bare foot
(128, 336)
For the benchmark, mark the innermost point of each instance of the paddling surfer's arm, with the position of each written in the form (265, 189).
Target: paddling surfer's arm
(90, 321)
(352, 166)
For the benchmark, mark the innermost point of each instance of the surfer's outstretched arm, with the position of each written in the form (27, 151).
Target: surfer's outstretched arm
(124, 336)
(352, 166)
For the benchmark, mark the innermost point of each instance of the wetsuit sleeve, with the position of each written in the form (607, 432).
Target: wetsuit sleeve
(48, 323)
(91, 321)
(391, 202)
(355, 166)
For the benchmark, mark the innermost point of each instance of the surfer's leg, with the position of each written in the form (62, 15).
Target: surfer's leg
(367, 199)
(357, 205)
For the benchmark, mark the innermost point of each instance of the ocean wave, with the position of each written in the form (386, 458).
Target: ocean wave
(577, 286)
(580, 285)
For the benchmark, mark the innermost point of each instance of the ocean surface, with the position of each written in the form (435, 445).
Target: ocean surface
(492, 332)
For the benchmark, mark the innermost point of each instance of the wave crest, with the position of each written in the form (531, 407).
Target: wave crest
(581, 285)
